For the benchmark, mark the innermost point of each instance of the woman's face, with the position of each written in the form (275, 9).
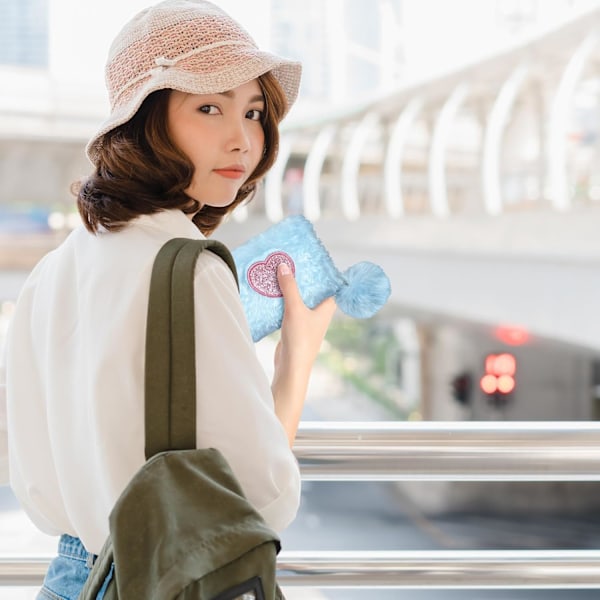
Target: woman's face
(223, 137)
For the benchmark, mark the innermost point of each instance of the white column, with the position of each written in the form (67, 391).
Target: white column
(312, 172)
(392, 169)
(437, 153)
(351, 166)
(560, 195)
(274, 180)
(492, 143)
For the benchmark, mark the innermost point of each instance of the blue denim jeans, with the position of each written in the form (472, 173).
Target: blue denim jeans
(68, 572)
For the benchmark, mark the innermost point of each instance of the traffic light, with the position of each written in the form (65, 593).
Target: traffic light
(462, 385)
(498, 382)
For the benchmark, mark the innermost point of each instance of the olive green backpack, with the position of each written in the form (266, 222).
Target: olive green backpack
(182, 529)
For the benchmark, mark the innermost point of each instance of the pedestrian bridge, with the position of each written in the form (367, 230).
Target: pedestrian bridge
(478, 191)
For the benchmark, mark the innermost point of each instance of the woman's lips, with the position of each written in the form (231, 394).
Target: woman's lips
(230, 173)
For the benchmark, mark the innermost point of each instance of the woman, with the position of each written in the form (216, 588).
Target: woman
(193, 127)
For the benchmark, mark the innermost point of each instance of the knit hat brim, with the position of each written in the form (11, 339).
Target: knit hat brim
(187, 45)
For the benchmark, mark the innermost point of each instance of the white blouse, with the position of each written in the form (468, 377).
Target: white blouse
(74, 401)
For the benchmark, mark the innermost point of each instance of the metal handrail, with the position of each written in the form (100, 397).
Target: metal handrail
(390, 451)
(17, 571)
(540, 569)
(457, 451)
(442, 569)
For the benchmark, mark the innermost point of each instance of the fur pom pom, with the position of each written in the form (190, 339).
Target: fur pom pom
(366, 290)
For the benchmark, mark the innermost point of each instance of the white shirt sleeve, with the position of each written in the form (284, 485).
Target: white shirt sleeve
(235, 405)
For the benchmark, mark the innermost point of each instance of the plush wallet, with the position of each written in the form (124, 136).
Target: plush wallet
(360, 291)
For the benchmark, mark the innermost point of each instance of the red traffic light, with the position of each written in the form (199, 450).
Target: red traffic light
(500, 364)
(499, 375)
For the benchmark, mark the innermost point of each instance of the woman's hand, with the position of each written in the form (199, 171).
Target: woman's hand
(302, 333)
(302, 329)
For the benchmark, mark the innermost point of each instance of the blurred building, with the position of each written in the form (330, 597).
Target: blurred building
(352, 50)
(24, 32)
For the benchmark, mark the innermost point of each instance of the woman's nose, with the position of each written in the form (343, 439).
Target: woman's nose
(239, 138)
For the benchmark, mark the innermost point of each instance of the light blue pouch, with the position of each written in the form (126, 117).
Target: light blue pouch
(360, 291)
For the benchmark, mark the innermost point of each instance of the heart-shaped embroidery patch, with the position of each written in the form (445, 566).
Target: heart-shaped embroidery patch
(262, 275)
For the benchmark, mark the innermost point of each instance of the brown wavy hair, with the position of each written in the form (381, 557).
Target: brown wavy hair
(140, 171)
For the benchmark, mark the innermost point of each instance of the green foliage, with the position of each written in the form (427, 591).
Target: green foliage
(364, 353)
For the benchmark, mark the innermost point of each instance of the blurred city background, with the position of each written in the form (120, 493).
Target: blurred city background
(454, 143)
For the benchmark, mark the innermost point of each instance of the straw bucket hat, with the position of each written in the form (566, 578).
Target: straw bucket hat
(188, 45)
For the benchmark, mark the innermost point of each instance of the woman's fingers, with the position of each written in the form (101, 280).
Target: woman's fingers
(303, 329)
(288, 285)
(291, 294)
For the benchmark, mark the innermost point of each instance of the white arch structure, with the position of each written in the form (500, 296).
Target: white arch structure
(312, 172)
(492, 143)
(392, 169)
(351, 165)
(274, 180)
(559, 119)
(448, 94)
(437, 152)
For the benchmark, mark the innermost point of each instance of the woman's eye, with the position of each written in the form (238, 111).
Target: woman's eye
(209, 109)
(254, 114)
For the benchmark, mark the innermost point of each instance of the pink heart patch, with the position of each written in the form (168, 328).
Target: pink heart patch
(262, 275)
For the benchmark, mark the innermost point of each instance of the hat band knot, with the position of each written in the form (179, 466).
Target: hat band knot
(163, 61)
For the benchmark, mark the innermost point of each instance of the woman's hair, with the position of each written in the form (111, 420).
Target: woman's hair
(140, 171)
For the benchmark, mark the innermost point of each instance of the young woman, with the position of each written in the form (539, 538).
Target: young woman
(195, 107)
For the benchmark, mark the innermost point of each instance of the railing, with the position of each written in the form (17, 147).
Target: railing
(463, 451)
(429, 451)
(573, 569)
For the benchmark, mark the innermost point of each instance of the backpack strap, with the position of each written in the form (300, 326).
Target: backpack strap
(170, 374)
